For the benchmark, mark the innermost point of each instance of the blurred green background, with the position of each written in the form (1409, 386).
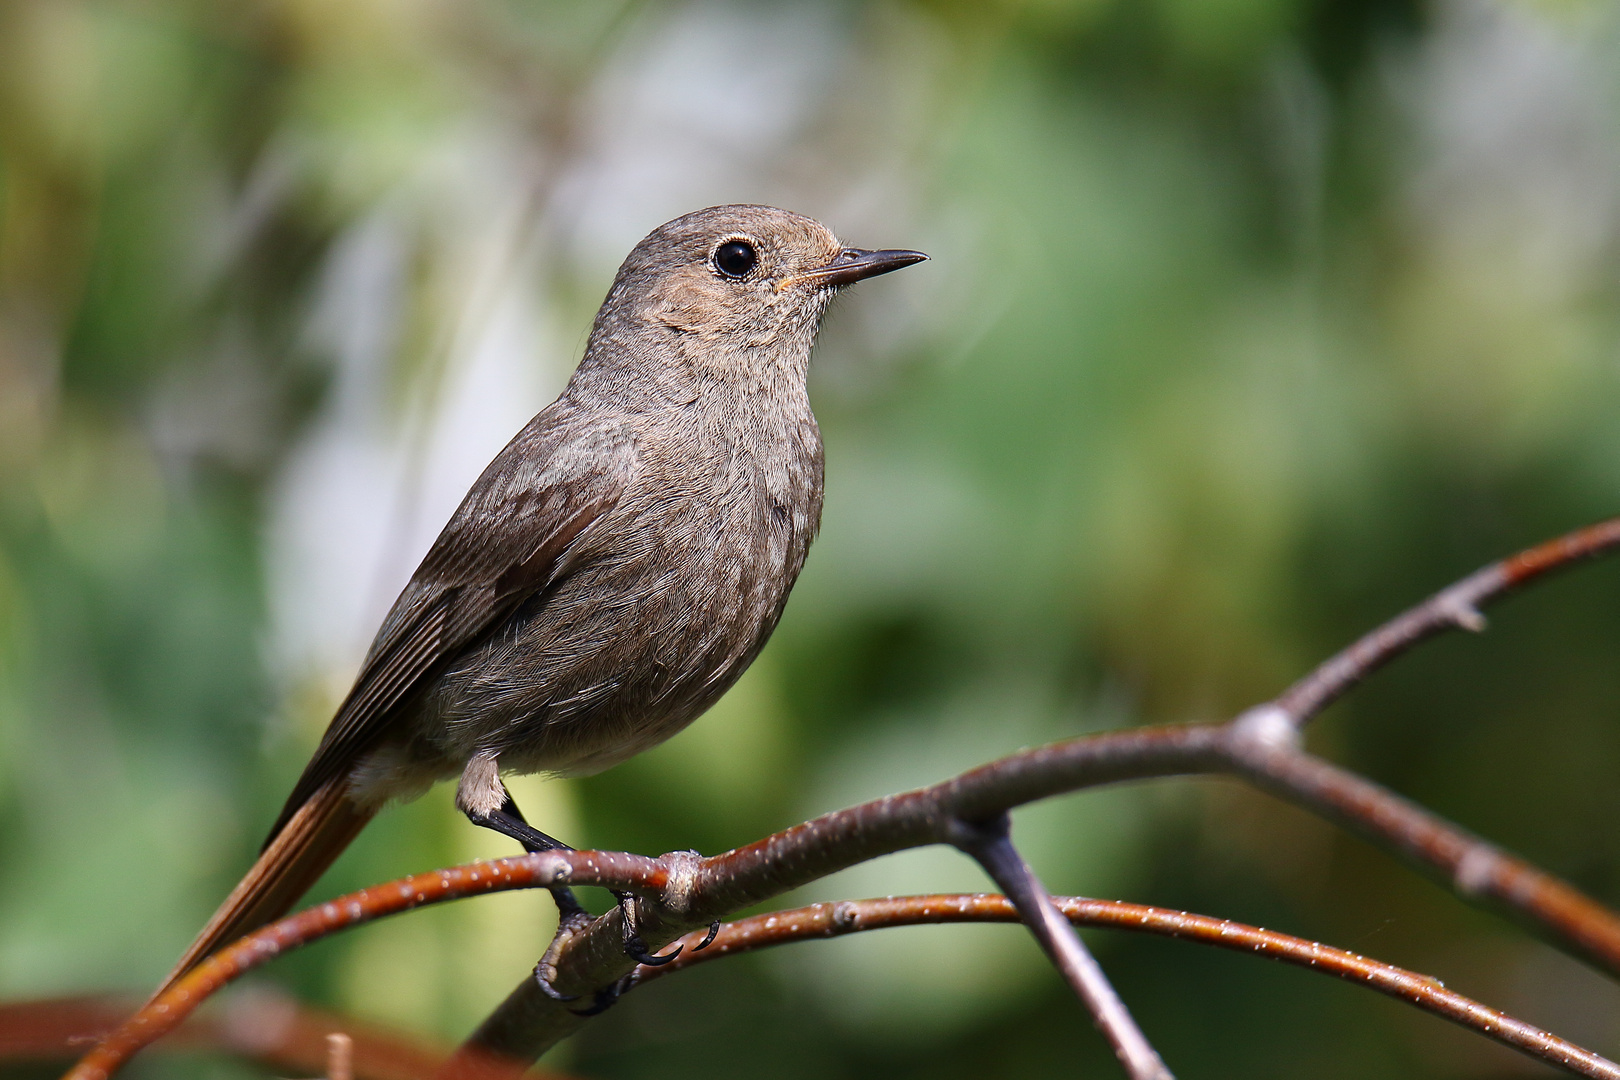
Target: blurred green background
(1249, 323)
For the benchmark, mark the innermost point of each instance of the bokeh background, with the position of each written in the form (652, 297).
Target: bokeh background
(1249, 323)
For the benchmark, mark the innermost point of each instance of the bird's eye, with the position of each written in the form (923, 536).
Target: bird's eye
(735, 258)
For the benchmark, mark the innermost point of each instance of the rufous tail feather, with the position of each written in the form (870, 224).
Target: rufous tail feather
(294, 858)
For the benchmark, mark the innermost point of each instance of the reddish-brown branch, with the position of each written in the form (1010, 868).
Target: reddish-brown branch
(1456, 606)
(1474, 868)
(691, 891)
(165, 1012)
(850, 916)
(1260, 746)
(260, 1025)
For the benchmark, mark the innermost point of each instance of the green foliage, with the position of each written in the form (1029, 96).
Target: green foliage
(1249, 323)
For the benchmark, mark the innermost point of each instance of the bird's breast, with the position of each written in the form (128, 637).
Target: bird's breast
(670, 596)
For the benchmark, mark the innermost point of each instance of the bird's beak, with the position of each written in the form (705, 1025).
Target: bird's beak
(854, 264)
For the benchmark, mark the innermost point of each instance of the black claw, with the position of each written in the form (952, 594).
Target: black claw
(636, 950)
(708, 939)
(634, 947)
(543, 981)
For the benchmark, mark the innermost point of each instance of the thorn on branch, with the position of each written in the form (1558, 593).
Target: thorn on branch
(1466, 617)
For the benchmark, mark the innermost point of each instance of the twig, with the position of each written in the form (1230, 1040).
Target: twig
(990, 844)
(1475, 869)
(529, 1022)
(339, 1057)
(161, 1015)
(851, 916)
(258, 1024)
(1454, 607)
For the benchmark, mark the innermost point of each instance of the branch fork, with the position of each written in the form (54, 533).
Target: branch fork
(682, 892)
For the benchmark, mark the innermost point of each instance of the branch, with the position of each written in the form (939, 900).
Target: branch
(258, 1024)
(168, 1010)
(1456, 606)
(851, 916)
(816, 921)
(528, 1022)
(991, 845)
(1261, 746)
(682, 891)
(1475, 869)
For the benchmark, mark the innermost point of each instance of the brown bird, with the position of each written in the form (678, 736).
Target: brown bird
(615, 568)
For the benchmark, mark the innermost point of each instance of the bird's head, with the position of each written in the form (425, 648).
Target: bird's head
(741, 276)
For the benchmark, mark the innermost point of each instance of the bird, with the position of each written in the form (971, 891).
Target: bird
(614, 569)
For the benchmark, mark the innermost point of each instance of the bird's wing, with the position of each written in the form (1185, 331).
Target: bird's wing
(510, 539)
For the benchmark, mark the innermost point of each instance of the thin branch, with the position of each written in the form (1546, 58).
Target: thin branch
(1454, 607)
(339, 1057)
(990, 843)
(529, 1021)
(1475, 869)
(258, 1024)
(165, 1012)
(851, 916)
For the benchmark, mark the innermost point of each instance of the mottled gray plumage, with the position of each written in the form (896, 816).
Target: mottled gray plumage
(615, 568)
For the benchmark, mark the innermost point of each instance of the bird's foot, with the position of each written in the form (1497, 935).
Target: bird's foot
(634, 947)
(545, 977)
(605, 999)
(572, 918)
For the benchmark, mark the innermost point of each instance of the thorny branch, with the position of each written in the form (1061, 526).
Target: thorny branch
(681, 891)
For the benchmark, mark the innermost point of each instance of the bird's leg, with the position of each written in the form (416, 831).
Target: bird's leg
(571, 914)
(509, 821)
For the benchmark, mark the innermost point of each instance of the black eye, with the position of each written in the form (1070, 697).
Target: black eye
(735, 258)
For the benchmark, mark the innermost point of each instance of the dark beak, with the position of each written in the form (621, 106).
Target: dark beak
(854, 264)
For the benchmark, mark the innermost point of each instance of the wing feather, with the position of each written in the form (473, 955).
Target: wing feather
(509, 540)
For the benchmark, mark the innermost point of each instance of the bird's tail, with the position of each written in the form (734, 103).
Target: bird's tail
(295, 857)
